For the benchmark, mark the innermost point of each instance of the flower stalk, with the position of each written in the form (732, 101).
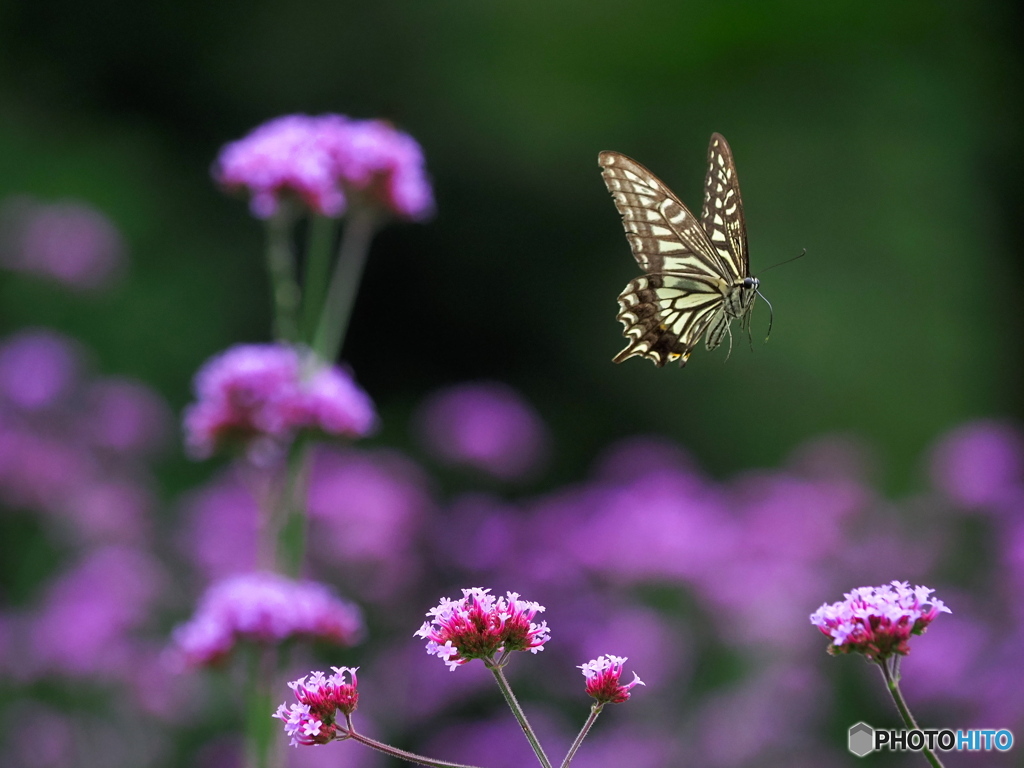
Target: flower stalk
(595, 710)
(497, 669)
(284, 285)
(891, 674)
(359, 229)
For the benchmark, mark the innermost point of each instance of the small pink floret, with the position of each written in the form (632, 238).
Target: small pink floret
(603, 675)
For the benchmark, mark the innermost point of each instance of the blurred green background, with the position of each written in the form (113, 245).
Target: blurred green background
(880, 137)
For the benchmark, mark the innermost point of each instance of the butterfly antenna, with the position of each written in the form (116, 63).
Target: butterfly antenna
(771, 312)
(773, 266)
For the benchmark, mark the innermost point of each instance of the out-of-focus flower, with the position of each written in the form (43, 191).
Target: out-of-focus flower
(84, 624)
(979, 464)
(255, 393)
(481, 625)
(312, 720)
(322, 161)
(220, 535)
(264, 608)
(878, 621)
(38, 369)
(603, 675)
(70, 242)
(484, 425)
(126, 417)
(366, 509)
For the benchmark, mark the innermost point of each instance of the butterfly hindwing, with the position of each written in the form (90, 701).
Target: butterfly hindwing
(722, 214)
(662, 233)
(664, 315)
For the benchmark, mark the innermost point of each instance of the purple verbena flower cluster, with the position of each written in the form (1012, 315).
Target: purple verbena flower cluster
(264, 608)
(323, 162)
(321, 697)
(480, 625)
(258, 393)
(603, 679)
(878, 621)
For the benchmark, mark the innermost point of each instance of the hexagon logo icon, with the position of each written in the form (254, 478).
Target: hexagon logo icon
(861, 739)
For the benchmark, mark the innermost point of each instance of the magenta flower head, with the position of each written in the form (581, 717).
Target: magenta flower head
(878, 621)
(321, 697)
(322, 161)
(603, 675)
(260, 394)
(481, 625)
(264, 608)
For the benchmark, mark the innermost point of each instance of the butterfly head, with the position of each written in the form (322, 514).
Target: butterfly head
(751, 282)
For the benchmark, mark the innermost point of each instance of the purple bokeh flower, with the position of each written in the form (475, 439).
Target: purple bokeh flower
(85, 622)
(38, 369)
(126, 417)
(484, 425)
(264, 608)
(366, 510)
(979, 464)
(260, 393)
(70, 242)
(322, 161)
(878, 621)
(480, 625)
(603, 679)
(220, 532)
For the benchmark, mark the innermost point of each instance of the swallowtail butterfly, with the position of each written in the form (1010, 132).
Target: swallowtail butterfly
(696, 273)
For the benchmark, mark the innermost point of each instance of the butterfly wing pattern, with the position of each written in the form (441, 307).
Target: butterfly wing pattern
(696, 272)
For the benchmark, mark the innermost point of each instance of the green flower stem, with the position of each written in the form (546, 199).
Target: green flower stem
(401, 754)
(283, 284)
(513, 703)
(259, 728)
(341, 293)
(595, 710)
(318, 272)
(892, 682)
(291, 542)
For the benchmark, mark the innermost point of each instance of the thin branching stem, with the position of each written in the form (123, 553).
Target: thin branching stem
(513, 703)
(595, 710)
(890, 672)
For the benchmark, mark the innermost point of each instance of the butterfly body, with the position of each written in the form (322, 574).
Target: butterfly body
(697, 278)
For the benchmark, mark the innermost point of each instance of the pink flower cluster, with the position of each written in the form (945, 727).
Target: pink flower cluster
(264, 608)
(603, 675)
(259, 392)
(481, 625)
(878, 621)
(312, 720)
(324, 160)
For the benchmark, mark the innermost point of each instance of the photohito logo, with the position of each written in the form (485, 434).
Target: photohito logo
(862, 740)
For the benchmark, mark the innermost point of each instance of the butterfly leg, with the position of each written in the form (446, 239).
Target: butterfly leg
(728, 329)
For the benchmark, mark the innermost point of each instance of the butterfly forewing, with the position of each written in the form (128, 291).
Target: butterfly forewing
(722, 215)
(695, 270)
(663, 234)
